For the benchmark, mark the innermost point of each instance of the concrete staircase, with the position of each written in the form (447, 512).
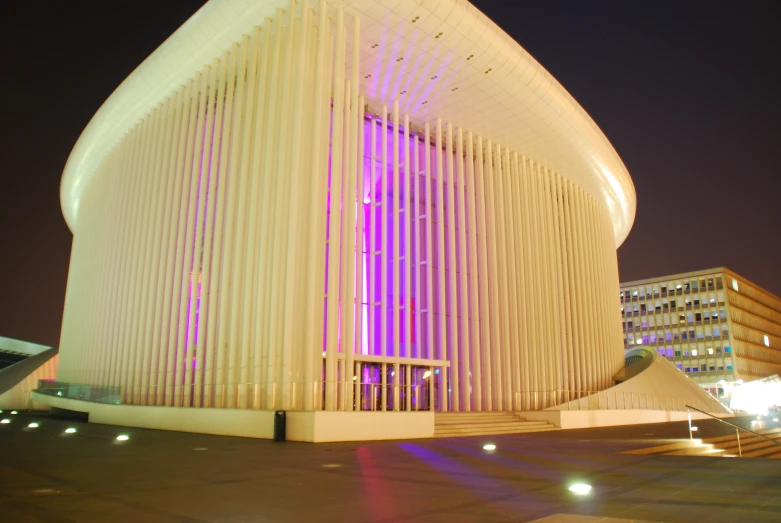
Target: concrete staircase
(752, 446)
(723, 446)
(457, 424)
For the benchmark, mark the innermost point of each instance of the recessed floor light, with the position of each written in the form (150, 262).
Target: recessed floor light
(581, 489)
(33, 425)
(70, 430)
(123, 437)
(489, 446)
(331, 466)
(14, 412)
(5, 421)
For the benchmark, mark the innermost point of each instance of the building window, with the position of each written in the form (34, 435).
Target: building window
(734, 284)
(677, 354)
(710, 351)
(679, 366)
(688, 369)
(729, 367)
(704, 367)
(727, 349)
(694, 352)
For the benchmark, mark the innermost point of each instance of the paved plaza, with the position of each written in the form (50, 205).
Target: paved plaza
(49, 476)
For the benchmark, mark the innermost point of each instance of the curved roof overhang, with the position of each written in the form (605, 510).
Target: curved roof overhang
(439, 58)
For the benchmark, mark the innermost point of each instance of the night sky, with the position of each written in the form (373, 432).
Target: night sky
(687, 92)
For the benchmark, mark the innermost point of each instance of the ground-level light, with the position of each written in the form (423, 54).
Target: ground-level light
(123, 437)
(33, 425)
(581, 489)
(489, 446)
(70, 430)
(5, 421)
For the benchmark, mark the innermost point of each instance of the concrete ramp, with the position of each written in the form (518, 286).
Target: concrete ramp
(18, 380)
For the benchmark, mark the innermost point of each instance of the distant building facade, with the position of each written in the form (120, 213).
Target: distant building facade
(716, 326)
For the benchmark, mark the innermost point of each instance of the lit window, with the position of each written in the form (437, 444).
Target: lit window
(694, 353)
(729, 367)
(727, 349)
(767, 341)
(710, 351)
(734, 284)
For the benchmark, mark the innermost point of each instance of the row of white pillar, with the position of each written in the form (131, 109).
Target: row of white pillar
(198, 273)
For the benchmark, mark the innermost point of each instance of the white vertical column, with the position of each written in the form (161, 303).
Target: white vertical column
(417, 228)
(516, 346)
(428, 214)
(459, 186)
(469, 207)
(350, 237)
(384, 251)
(271, 206)
(395, 257)
(493, 280)
(443, 355)
(524, 301)
(371, 253)
(318, 179)
(409, 176)
(334, 240)
(456, 374)
(486, 332)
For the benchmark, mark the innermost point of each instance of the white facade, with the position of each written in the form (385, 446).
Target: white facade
(348, 205)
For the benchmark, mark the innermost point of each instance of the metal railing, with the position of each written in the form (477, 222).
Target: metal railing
(737, 428)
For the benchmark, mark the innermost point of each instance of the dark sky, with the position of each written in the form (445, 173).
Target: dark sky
(687, 92)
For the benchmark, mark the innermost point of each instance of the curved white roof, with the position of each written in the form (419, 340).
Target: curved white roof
(439, 58)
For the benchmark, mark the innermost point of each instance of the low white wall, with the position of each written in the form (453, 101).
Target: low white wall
(324, 426)
(316, 427)
(584, 419)
(221, 422)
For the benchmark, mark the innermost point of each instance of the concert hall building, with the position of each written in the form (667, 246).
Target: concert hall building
(342, 205)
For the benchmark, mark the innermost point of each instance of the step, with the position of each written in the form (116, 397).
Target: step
(468, 416)
(493, 423)
(667, 447)
(746, 443)
(702, 450)
(489, 432)
(489, 427)
(769, 451)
